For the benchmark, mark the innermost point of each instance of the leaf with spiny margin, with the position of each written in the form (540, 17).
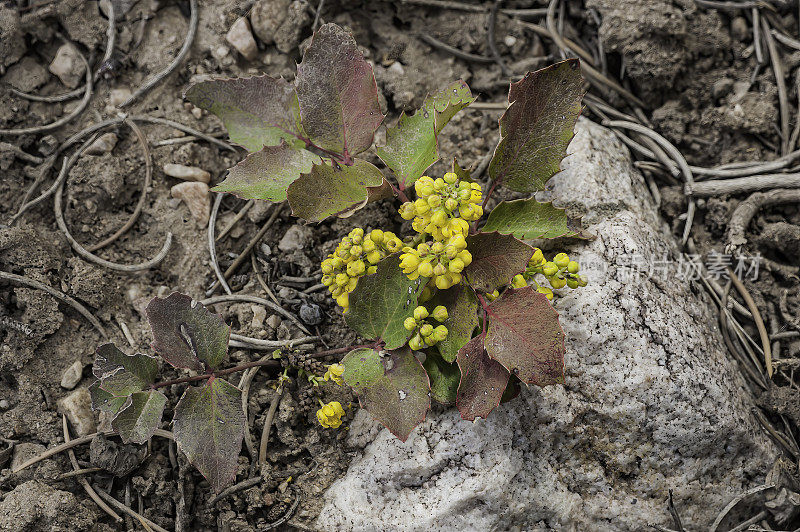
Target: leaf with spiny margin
(444, 378)
(186, 334)
(483, 381)
(412, 144)
(528, 219)
(382, 301)
(525, 336)
(105, 401)
(209, 428)
(496, 259)
(462, 173)
(462, 318)
(257, 112)
(121, 375)
(538, 126)
(267, 173)
(329, 190)
(337, 92)
(392, 386)
(139, 419)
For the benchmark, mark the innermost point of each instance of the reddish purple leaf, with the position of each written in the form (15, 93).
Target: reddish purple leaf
(483, 381)
(525, 336)
(496, 259)
(186, 334)
(337, 92)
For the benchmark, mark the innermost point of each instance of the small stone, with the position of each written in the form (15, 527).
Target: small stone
(187, 173)
(4, 404)
(279, 21)
(197, 112)
(68, 66)
(118, 96)
(509, 40)
(48, 145)
(196, 197)
(72, 375)
(740, 29)
(721, 88)
(293, 239)
(311, 313)
(103, 145)
(24, 452)
(77, 406)
(259, 315)
(273, 321)
(259, 211)
(241, 38)
(27, 75)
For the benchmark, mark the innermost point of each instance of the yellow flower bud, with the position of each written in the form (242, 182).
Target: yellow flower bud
(420, 313)
(440, 313)
(410, 324)
(519, 281)
(561, 260)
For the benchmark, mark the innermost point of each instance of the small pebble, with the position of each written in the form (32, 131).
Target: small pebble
(311, 314)
(273, 321)
(197, 112)
(118, 96)
(196, 196)
(293, 239)
(259, 315)
(241, 38)
(72, 375)
(104, 144)
(740, 29)
(77, 406)
(4, 404)
(510, 40)
(48, 145)
(68, 66)
(187, 173)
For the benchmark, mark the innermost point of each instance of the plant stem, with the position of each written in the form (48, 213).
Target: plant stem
(488, 194)
(399, 192)
(247, 365)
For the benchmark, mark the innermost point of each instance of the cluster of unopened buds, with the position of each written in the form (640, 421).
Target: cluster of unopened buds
(355, 256)
(424, 333)
(560, 272)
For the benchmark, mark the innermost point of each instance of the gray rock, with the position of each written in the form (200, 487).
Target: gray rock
(72, 375)
(241, 38)
(196, 196)
(295, 238)
(77, 406)
(36, 507)
(187, 173)
(12, 39)
(27, 75)
(104, 144)
(651, 401)
(311, 313)
(279, 21)
(68, 66)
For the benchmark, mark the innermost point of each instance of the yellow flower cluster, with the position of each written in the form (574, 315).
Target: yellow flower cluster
(442, 261)
(444, 206)
(330, 415)
(334, 373)
(560, 272)
(355, 256)
(426, 335)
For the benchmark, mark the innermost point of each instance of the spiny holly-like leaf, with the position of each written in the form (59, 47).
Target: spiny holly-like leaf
(105, 401)
(496, 259)
(337, 92)
(257, 112)
(121, 375)
(483, 381)
(267, 173)
(525, 336)
(329, 190)
(141, 417)
(392, 386)
(412, 145)
(527, 219)
(186, 334)
(382, 301)
(462, 318)
(444, 378)
(537, 126)
(209, 427)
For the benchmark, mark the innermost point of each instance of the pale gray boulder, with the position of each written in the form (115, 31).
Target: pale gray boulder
(651, 402)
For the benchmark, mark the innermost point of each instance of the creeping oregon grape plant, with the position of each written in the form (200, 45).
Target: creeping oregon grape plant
(457, 311)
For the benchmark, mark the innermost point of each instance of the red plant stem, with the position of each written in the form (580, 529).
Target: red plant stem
(399, 192)
(491, 189)
(247, 365)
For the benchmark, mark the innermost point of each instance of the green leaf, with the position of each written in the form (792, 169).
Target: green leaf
(412, 144)
(105, 401)
(257, 111)
(525, 336)
(337, 93)
(444, 378)
(382, 301)
(462, 173)
(329, 190)
(266, 174)
(141, 417)
(186, 333)
(121, 375)
(496, 259)
(483, 381)
(537, 126)
(462, 318)
(209, 428)
(392, 386)
(527, 219)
